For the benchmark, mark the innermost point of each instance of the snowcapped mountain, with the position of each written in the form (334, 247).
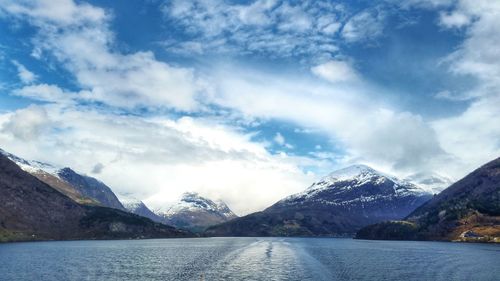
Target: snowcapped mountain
(82, 189)
(195, 213)
(357, 183)
(136, 206)
(48, 174)
(33, 210)
(339, 204)
(433, 183)
(31, 166)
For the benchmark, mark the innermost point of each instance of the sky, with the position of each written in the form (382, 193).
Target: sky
(249, 101)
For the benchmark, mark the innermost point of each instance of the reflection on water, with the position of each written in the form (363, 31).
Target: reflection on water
(248, 259)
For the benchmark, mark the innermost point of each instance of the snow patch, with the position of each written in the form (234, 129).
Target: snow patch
(32, 166)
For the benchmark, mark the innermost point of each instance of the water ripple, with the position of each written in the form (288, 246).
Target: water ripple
(248, 259)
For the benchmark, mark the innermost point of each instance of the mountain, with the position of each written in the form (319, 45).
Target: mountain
(33, 210)
(48, 174)
(91, 187)
(136, 206)
(468, 210)
(80, 188)
(337, 205)
(433, 183)
(196, 213)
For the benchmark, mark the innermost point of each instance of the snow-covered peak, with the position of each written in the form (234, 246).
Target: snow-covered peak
(194, 202)
(357, 176)
(224, 209)
(187, 196)
(31, 166)
(351, 172)
(129, 202)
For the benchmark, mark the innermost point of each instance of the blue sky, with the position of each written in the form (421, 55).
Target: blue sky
(257, 98)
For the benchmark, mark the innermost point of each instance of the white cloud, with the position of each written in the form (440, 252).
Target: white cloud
(275, 28)
(335, 71)
(471, 138)
(455, 19)
(452, 96)
(279, 139)
(45, 92)
(328, 24)
(26, 124)
(369, 130)
(61, 12)
(422, 3)
(156, 159)
(24, 74)
(478, 54)
(257, 13)
(78, 37)
(293, 18)
(366, 25)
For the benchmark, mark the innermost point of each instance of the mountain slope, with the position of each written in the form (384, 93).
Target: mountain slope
(82, 189)
(467, 210)
(91, 187)
(195, 213)
(33, 210)
(64, 187)
(48, 174)
(338, 205)
(138, 207)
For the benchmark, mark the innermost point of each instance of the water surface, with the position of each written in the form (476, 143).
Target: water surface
(249, 259)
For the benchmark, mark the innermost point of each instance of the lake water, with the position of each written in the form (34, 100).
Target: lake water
(249, 259)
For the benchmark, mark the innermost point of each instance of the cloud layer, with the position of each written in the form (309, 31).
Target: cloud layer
(78, 37)
(157, 159)
(270, 28)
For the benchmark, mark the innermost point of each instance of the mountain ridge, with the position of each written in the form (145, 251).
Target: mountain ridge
(33, 210)
(468, 210)
(81, 188)
(337, 205)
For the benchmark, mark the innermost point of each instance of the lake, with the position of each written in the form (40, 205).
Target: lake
(249, 259)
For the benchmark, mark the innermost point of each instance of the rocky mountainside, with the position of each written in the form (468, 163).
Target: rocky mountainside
(195, 213)
(80, 188)
(91, 187)
(32, 210)
(468, 210)
(337, 205)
